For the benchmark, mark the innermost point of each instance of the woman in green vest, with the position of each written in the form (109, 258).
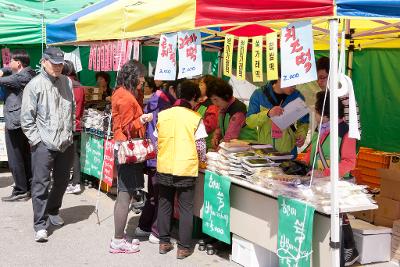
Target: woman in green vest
(232, 115)
(347, 149)
(207, 110)
(347, 162)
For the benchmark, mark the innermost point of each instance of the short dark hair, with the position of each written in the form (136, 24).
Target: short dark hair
(69, 69)
(105, 76)
(188, 90)
(207, 79)
(219, 87)
(129, 75)
(150, 82)
(319, 105)
(323, 64)
(22, 56)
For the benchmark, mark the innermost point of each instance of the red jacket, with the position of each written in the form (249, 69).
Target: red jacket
(79, 95)
(126, 112)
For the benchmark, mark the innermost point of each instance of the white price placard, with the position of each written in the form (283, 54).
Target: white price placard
(166, 60)
(190, 56)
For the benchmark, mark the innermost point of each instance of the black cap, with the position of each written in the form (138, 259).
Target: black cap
(54, 55)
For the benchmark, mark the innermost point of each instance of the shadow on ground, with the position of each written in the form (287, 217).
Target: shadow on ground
(73, 215)
(6, 181)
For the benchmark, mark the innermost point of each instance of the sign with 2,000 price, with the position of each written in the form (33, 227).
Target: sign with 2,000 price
(216, 209)
(294, 233)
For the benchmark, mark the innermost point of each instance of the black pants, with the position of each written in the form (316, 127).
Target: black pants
(148, 218)
(165, 207)
(76, 176)
(43, 201)
(19, 160)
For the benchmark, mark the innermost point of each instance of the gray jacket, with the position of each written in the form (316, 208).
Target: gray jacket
(14, 85)
(47, 113)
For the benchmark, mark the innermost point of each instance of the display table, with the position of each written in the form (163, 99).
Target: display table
(254, 216)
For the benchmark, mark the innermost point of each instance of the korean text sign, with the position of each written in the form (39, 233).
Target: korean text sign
(294, 232)
(297, 54)
(190, 56)
(216, 209)
(166, 60)
(92, 152)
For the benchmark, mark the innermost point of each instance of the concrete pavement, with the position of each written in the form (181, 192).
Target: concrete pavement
(81, 241)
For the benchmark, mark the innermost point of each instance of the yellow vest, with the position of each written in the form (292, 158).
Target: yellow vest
(177, 154)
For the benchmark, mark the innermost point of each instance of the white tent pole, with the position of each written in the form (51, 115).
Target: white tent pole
(334, 145)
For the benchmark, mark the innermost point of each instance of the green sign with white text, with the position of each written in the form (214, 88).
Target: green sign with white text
(216, 209)
(294, 233)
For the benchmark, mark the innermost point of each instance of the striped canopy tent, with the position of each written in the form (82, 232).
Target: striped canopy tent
(370, 24)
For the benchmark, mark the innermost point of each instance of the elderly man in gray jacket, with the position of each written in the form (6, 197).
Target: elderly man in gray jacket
(47, 119)
(14, 80)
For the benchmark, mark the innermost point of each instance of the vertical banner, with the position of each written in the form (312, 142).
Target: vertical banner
(241, 58)
(6, 57)
(272, 56)
(108, 166)
(90, 63)
(217, 208)
(129, 46)
(117, 55)
(297, 54)
(124, 44)
(98, 57)
(107, 56)
(166, 60)
(228, 54)
(190, 56)
(92, 149)
(136, 49)
(257, 57)
(102, 56)
(295, 230)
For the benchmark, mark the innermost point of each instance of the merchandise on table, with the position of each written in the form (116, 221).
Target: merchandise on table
(96, 121)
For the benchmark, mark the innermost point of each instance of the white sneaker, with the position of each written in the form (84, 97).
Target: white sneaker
(123, 246)
(73, 189)
(56, 220)
(41, 236)
(153, 239)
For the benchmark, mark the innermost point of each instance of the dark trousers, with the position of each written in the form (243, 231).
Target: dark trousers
(76, 176)
(148, 218)
(43, 201)
(19, 160)
(165, 207)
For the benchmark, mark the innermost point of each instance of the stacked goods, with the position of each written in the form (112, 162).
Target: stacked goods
(368, 163)
(396, 240)
(93, 94)
(389, 197)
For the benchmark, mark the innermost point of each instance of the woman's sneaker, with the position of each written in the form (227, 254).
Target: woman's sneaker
(73, 189)
(350, 256)
(123, 246)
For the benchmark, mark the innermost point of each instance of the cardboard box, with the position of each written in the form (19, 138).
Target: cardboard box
(92, 97)
(365, 215)
(383, 221)
(395, 244)
(249, 254)
(367, 236)
(395, 162)
(390, 183)
(388, 208)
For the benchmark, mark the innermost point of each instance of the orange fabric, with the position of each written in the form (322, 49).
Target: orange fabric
(126, 113)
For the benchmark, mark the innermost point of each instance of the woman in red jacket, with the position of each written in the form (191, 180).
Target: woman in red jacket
(79, 95)
(128, 121)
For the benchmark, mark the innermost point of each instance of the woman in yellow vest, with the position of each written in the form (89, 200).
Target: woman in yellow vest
(181, 147)
(232, 114)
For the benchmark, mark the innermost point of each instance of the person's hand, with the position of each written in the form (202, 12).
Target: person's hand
(275, 111)
(215, 142)
(1, 73)
(146, 117)
(317, 174)
(300, 141)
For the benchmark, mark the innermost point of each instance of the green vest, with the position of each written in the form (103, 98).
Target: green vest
(246, 133)
(343, 129)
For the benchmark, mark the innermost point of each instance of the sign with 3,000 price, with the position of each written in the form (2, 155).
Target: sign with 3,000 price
(294, 233)
(216, 209)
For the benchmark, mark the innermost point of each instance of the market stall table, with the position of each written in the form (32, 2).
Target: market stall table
(254, 216)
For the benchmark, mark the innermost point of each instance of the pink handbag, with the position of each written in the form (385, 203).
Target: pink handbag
(135, 150)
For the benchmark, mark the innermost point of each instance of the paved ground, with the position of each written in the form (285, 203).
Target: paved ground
(81, 242)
